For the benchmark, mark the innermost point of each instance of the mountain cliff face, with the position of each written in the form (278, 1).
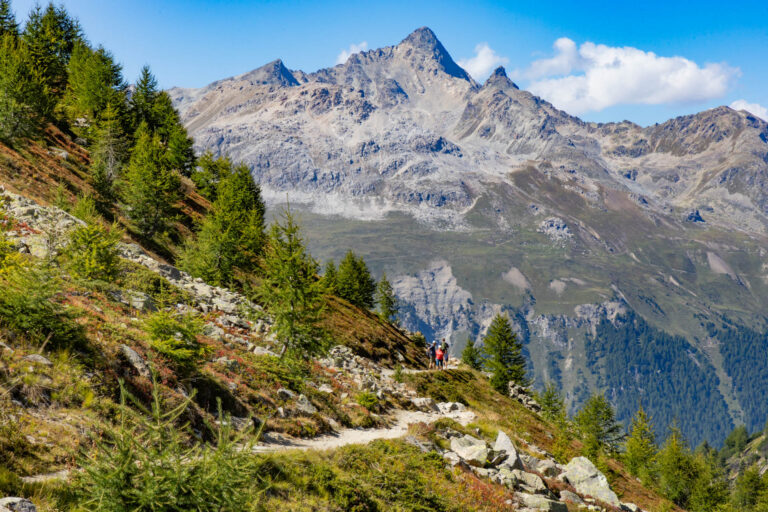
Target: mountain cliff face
(483, 198)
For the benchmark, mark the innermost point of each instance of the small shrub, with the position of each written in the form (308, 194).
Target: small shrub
(398, 374)
(28, 307)
(146, 464)
(92, 252)
(175, 336)
(368, 400)
(85, 209)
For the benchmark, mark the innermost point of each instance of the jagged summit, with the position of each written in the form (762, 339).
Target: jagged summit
(272, 73)
(425, 41)
(499, 78)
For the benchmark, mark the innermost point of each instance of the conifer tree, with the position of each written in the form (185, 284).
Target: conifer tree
(208, 173)
(24, 100)
(354, 282)
(167, 124)
(504, 355)
(143, 99)
(51, 35)
(385, 298)
(108, 154)
(8, 24)
(95, 81)
(597, 423)
(291, 291)
(552, 403)
(152, 189)
(232, 234)
(640, 447)
(676, 468)
(471, 355)
(330, 277)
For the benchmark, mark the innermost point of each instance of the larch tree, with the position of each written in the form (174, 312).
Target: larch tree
(597, 423)
(354, 282)
(152, 189)
(503, 355)
(386, 299)
(8, 24)
(291, 290)
(471, 355)
(640, 447)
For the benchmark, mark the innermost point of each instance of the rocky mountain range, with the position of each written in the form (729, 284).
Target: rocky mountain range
(632, 259)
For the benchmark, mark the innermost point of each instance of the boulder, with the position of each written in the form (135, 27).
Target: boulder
(425, 404)
(37, 358)
(471, 449)
(449, 407)
(588, 480)
(538, 502)
(548, 468)
(135, 360)
(452, 458)
(630, 507)
(304, 406)
(504, 444)
(570, 497)
(17, 505)
(529, 482)
(285, 394)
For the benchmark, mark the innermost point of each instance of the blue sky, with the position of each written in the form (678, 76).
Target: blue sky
(603, 71)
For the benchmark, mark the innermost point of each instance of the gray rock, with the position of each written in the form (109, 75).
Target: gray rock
(213, 331)
(474, 451)
(504, 444)
(304, 406)
(261, 351)
(538, 502)
(37, 358)
(325, 388)
(425, 404)
(630, 507)
(548, 468)
(448, 407)
(17, 505)
(529, 482)
(135, 360)
(285, 394)
(452, 458)
(588, 480)
(570, 497)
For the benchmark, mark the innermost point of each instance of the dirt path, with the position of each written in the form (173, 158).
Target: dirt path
(403, 419)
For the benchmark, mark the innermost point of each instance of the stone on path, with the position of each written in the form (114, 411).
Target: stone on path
(588, 480)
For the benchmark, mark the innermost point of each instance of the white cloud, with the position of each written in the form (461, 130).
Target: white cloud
(597, 76)
(342, 57)
(753, 108)
(484, 61)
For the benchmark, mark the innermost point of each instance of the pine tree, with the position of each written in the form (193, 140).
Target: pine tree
(471, 355)
(291, 291)
(108, 154)
(640, 447)
(8, 23)
(143, 99)
(179, 154)
(51, 35)
(597, 423)
(354, 282)
(504, 355)
(208, 173)
(152, 189)
(385, 298)
(24, 100)
(330, 278)
(552, 403)
(676, 468)
(232, 234)
(95, 81)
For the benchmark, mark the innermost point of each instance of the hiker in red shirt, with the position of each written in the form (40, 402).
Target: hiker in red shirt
(439, 357)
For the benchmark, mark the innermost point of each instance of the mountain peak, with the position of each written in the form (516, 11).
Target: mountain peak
(499, 78)
(272, 73)
(424, 41)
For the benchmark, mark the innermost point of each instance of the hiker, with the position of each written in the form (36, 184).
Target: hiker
(439, 357)
(445, 346)
(431, 350)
